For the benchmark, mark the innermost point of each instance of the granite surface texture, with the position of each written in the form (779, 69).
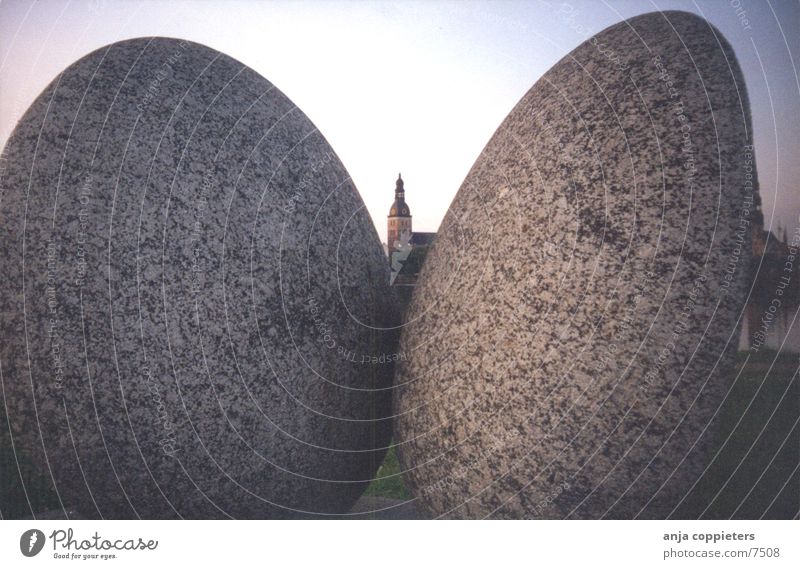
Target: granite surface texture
(195, 316)
(571, 337)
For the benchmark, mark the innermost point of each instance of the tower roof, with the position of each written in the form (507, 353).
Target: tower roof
(399, 207)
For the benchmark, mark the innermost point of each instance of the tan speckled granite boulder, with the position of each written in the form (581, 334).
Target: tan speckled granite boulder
(572, 335)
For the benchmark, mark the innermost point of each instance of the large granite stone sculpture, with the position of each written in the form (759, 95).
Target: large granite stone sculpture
(571, 336)
(195, 317)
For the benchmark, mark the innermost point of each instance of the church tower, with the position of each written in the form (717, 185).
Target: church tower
(399, 222)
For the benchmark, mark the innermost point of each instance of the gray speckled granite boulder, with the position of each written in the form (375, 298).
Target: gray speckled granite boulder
(572, 334)
(189, 284)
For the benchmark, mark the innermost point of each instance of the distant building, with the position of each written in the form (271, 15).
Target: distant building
(766, 243)
(773, 300)
(398, 227)
(406, 250)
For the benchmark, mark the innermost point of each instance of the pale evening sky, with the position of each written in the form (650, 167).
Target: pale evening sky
(416, 86)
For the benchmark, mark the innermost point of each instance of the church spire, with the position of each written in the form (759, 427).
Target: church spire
(399, 222)
(399, 207)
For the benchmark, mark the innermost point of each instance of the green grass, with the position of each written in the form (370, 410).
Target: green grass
(389, 482)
